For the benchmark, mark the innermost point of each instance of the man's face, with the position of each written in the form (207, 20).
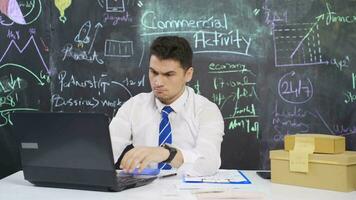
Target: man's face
(168, 78)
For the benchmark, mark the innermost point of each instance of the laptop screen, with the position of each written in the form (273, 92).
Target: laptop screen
(63, 142)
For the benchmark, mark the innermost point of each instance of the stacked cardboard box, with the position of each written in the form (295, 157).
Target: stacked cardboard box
(329, 166)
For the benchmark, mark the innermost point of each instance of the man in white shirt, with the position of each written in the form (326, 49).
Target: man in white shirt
(195, 124)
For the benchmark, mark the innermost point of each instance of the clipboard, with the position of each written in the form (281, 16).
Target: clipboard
(222, 177)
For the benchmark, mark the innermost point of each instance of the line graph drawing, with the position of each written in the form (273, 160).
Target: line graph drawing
(31, 43)
(297, 45)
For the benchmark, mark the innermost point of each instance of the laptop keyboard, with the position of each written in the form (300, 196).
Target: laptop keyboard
(130, 181)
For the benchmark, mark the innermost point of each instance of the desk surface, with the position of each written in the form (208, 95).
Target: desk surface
(15, 187)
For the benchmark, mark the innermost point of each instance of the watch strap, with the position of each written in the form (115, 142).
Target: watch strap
(172, 153)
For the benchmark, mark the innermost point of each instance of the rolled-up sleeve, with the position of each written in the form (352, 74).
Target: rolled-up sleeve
(205, 159)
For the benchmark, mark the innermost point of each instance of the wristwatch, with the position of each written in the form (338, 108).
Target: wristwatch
(172, 153)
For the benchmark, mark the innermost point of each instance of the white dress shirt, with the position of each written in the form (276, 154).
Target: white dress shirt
(197, 129)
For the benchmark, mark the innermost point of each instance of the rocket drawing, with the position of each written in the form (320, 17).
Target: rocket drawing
(82, 36)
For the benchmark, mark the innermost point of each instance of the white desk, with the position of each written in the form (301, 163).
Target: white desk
(14, 187)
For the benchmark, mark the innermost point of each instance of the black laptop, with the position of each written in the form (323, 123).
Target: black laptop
(70, 150)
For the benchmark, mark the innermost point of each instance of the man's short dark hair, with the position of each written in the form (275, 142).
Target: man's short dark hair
(173, 47)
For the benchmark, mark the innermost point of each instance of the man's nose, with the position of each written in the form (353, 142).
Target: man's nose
(158, 81)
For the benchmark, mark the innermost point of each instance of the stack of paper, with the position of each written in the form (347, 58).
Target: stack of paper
(223, 179)
(222, 176)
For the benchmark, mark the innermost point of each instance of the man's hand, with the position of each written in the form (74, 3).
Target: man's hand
(142, 156)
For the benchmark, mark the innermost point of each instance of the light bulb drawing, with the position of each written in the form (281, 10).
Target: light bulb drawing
(62, 5)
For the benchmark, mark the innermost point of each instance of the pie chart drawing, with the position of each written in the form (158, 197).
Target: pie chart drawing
(26, 14)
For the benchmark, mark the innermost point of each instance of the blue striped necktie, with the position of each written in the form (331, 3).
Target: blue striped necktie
(165, 133)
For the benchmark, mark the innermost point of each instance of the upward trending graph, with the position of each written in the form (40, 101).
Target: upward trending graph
(297, 45)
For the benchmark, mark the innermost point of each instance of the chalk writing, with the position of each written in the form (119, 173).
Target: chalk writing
(204, 39)
(98, 91)
(220, 83)
(91, 102)
(228, 68)
(332, 17)
(286, 121)
(234, 95)
(140, 82)
(344, 130)
(196, 86)
(243, 112)
(151, 21)
(272, 16)
(210, 33)
(342, 63)
(8, 100)
(245, 125)
(13, 34)
(220, 99)
(11, 85)
(98, 83)
(76, 54)
(5, 115)
(350, 96)
(295, 90)
(27, 4)
(115, 20)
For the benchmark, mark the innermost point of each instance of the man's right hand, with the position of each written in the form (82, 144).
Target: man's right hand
(140, 157)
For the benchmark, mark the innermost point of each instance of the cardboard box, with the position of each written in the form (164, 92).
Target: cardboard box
(326, 171)
(323, 143)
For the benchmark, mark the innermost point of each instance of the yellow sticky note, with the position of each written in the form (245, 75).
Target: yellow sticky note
(299, 156)
(298, 161)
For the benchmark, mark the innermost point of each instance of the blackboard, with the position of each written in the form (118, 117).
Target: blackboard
(274, 67)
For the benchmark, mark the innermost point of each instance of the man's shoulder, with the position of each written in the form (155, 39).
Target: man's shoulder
(202, 108)
(200, 100)
(141, 98)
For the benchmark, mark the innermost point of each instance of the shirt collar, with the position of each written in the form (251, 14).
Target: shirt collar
(177, 105)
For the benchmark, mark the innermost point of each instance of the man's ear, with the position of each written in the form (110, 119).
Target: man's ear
(189, 74)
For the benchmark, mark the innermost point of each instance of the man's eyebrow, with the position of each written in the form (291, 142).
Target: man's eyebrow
(165, 73)
(151, 68)
(169, 72)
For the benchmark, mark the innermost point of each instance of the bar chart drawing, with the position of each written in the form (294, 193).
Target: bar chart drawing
(297, 45)
(116, 48)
